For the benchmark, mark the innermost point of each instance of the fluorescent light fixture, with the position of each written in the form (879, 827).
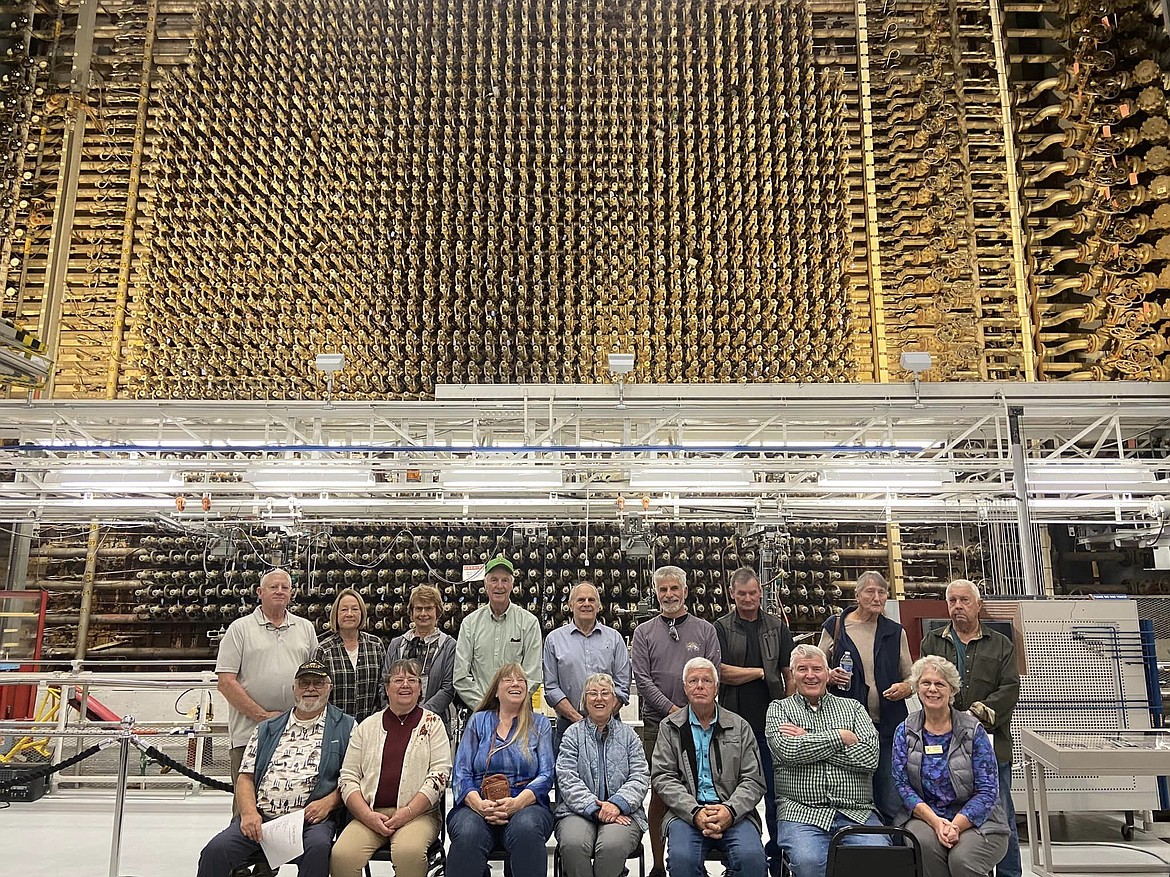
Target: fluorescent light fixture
(497, 477)
(129, 478)
(915, 361)
(1077, 475)
(691, 476)
(621, 363)
(875, 476)
(310, 477)
(330, 362)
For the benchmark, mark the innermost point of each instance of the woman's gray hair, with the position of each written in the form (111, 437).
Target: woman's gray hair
(806, 650)
(700, 664)
(871, 575)
(939, 665)
(669, 572)
(602, 679)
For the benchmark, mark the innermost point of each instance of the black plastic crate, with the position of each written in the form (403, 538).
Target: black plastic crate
(24, 790)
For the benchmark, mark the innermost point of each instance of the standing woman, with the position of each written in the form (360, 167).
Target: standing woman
(948, 779)
(433, 649)
(503, 774)
(354, 658)
(881, 670)
(602, 780)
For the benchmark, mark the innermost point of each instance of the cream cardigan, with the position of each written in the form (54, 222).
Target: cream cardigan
(426, 765)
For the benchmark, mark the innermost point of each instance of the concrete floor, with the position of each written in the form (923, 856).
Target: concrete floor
(70, 833)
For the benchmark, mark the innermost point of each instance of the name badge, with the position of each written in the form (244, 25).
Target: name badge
(934, 750)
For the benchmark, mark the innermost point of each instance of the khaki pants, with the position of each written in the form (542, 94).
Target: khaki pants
(236, 754)
(408, 846)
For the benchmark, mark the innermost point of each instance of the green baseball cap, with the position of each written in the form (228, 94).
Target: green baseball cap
(499, 560)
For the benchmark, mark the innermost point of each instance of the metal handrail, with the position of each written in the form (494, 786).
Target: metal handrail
(85, 677)
(84, 680)
(125, 734)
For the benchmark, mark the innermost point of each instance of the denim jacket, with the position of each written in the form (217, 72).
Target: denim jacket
(610, 767)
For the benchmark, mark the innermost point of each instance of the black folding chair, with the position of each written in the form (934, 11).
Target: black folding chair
(903, 859)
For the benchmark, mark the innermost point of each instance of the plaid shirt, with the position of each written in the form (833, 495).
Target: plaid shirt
(817, 775)
(358, 692)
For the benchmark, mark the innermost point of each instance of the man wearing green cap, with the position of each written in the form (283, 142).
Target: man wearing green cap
(494, 635)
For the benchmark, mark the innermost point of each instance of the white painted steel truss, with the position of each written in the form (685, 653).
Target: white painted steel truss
(1098, 452)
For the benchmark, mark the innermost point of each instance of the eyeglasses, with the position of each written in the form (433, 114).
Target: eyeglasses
(673, 631)
(312, 682)
(600, 692)
(401, 680)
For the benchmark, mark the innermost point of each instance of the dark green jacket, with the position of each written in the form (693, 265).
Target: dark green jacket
(992, 678)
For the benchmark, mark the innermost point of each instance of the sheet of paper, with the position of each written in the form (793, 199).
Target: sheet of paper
(283, 838)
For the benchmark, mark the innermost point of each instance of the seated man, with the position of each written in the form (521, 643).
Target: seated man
(292, 762)
(707, 771)
(826, 749)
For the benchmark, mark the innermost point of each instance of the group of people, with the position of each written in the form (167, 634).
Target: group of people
(358, 736)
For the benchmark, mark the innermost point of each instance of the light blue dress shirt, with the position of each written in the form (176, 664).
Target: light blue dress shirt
(571, 657)
(706, 793)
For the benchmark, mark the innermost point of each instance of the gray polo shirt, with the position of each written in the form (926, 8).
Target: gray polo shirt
(264, 659)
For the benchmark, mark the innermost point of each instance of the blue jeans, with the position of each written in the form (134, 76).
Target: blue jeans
(886, 799)
(808, 846)
(230, 848)
(687, 848)
(1009, 865)
(523, 837)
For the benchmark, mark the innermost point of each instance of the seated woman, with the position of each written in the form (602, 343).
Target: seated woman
(394, 773)
(946, 774)
(602, 780)
(503, 774)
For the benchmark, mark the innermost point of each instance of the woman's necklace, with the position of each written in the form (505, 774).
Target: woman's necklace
(401, 719)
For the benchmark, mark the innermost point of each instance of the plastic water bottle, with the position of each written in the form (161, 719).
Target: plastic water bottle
(846, 665)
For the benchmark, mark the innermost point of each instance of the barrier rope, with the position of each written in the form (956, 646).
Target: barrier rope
(25, 775)
(164, 759)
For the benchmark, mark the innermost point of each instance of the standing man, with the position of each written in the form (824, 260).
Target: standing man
(826, 749)
(576, 651)
(756, 647)
(707, 770)
(494, 635)
(293, 762)
(661, 647)
(990, 688)
(257, 659)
